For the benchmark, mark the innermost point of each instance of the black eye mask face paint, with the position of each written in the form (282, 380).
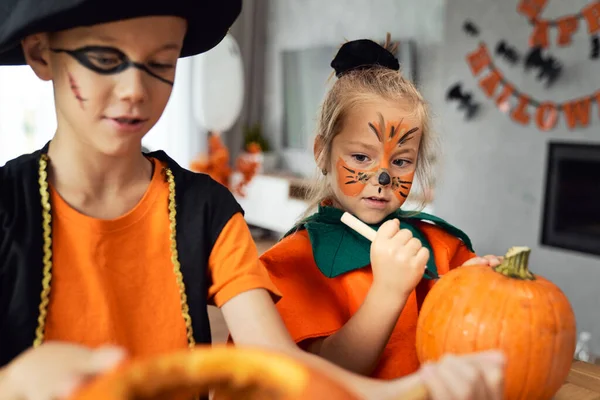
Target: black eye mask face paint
(110, 61)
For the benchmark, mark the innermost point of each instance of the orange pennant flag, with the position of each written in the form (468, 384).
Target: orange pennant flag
(490, 82)
(546, 116)
(567, 26)
(539, 36)
(531, 8)
(479, 59)
(577, 112)
(591, 13)
(520, 114)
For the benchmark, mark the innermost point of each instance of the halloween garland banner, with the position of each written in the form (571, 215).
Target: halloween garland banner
(566, 26)
(576, 112)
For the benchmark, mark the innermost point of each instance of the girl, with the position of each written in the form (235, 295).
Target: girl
(350, 301)
(101, 244)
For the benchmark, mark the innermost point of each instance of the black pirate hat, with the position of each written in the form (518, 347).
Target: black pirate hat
(208, 20)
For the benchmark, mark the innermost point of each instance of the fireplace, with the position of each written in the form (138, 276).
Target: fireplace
(571, 216)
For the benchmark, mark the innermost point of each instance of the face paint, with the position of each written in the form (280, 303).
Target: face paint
(401, 186)
(352, 181)
(76, 91)
(110, 61)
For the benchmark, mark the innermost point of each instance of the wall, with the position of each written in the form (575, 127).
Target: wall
(300, 24)
(493, 172)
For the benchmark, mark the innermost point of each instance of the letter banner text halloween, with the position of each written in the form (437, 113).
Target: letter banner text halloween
(577, 112)
(566, 26)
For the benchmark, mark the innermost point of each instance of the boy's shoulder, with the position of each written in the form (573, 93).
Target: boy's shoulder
(16, 176)
(15, 168)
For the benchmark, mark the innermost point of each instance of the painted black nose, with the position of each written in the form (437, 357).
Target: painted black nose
(384, 178)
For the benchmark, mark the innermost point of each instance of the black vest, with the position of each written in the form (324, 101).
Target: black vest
(203, 208)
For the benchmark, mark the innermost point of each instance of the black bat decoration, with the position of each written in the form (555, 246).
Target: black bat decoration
(548, 67)
(509, 53)
(470, 28)
(595, 54)
(465, 100)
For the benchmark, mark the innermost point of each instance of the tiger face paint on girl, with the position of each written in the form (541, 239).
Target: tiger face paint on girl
(109, 61)
(390, 135)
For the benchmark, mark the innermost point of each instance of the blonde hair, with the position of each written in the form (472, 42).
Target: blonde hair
(353, 88)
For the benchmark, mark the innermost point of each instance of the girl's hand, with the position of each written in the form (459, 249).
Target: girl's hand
(478, 376)
(54, 370)
(398, 259)
(489, 259)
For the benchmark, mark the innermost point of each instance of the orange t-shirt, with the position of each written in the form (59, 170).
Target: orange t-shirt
(314, 305)
(113, 280)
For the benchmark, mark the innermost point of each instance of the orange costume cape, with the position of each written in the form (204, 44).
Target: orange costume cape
(319, 297)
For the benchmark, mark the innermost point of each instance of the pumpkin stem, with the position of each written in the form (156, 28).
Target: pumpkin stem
(515, 264)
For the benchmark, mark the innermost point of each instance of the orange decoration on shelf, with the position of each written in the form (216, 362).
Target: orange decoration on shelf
(477, 307)
(233, 372)
(248, 166)
(216, 163)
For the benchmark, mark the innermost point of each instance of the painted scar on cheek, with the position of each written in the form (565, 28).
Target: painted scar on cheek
(76, 91)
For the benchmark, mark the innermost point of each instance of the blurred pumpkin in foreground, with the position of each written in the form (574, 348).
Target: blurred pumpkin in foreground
(233, 372)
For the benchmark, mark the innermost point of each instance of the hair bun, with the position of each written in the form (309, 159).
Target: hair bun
(362, 54)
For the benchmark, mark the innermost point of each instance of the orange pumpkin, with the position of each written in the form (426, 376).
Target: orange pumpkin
(475, 308)
(235, 373)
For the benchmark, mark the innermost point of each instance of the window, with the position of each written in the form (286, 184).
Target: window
(27, 117)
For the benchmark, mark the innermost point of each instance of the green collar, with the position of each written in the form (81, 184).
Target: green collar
(338, 249)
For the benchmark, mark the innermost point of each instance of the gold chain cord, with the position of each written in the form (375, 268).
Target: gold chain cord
(47, 256)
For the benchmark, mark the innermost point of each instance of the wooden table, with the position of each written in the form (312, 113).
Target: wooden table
(583, 383)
